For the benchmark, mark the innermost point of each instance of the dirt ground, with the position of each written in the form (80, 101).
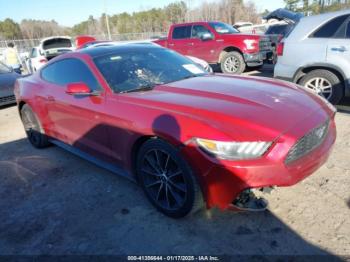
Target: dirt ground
(53, 202)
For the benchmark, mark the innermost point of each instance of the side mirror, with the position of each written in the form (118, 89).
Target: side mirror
(78, 89)
(206, 36)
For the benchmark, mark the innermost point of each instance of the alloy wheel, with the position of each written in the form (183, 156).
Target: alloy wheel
(231, 64)
(164, 181)
(321, 86)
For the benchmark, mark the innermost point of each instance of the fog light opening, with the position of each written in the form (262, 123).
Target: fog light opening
(248, 201)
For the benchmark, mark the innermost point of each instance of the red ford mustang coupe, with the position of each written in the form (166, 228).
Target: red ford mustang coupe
(186, 136)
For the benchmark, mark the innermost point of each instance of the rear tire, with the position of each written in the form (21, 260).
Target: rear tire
(232, 63)
(323, 80)
(167, 179)
(33, 128)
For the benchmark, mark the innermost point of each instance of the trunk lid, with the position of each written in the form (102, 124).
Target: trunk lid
(55, 46)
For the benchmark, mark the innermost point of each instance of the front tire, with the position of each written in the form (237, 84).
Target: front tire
(33, 128)
(167, 179)
(324, 83)
(232, 63)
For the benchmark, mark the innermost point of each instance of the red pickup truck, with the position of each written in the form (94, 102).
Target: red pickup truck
(218, 43)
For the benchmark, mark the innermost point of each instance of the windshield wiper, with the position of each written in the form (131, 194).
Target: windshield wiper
(140, 88)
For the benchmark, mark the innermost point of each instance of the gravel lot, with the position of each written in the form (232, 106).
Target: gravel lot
(53, 202)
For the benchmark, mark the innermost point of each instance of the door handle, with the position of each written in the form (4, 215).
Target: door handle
(190, 44)
(170, 44)
(338, 49)
(50, 98)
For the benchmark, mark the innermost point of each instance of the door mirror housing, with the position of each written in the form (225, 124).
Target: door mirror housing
(78, 89)
(206, 36)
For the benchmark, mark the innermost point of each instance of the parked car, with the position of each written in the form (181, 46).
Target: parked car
(48, 48)
(155, 117)
(316, 54)
(93, 44)
(7, 81)
(80, 40)
(217, 42)
(284, 22)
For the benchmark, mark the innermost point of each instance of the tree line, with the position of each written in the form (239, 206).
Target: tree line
(159, 19)
(316, 6)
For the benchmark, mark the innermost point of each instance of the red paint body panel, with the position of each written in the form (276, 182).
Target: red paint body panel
(209, 50)
(83, 39)
(217, 107)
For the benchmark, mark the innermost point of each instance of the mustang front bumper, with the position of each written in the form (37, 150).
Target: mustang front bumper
(222, 180)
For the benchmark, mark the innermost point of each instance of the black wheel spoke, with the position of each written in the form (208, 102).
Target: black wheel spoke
(150, 173)
(167, 195)
(154, 183)
(175, 196)
(150, 162)
(178, 186)
(158, 161)
(177, 173)
(159, 190)
(166, 164)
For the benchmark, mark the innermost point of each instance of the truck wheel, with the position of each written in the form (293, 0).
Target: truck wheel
(232, 63)
(33, 128)
(324, 83)
(167, 179)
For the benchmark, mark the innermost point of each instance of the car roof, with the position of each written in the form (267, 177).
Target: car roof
(121, 47)
(309, 24)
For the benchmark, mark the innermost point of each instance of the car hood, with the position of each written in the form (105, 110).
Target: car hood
(228, 102)
(282, 14)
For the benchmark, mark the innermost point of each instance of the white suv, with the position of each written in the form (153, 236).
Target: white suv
(316, 54)
(48, 48)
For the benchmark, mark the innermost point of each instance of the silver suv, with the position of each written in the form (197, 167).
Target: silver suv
(316, 54)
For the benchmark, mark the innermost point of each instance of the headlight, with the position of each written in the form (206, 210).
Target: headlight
(233, 150)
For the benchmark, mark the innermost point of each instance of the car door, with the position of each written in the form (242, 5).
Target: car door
(338, 47)
(203, 48)
(181, 39)
(76, 120)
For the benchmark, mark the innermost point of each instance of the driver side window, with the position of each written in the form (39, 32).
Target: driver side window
(70, 70)
(199, 30)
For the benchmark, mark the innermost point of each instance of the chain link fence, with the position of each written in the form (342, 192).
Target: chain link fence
(25, 45)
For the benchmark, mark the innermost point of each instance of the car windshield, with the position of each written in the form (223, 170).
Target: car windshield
(4, 69)
(140, 69)
(222, 28)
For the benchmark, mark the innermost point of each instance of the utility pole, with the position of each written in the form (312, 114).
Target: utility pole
(107, 21)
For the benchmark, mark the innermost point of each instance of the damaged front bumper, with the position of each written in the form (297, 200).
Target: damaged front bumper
(223, 181)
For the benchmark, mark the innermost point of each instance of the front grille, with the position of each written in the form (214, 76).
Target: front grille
(308, 142)
(7, 99)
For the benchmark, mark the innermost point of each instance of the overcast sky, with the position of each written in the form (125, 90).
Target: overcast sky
(70, 12)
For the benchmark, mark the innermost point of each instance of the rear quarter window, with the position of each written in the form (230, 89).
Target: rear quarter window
(182, 32)
(330, 29)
